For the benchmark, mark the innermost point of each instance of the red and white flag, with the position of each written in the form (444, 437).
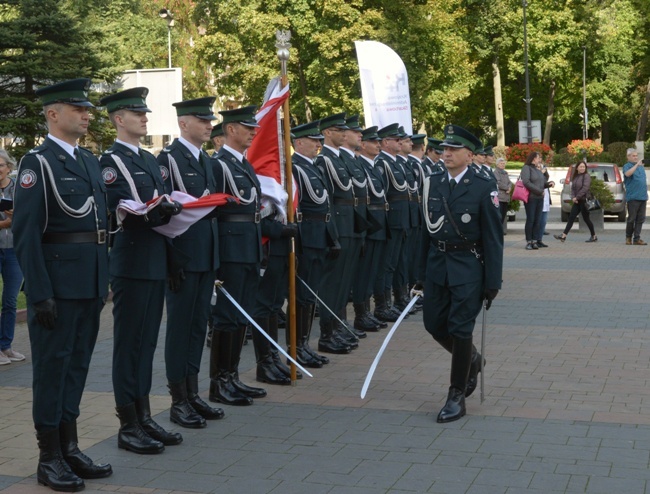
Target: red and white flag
(193, 210)
(266, 154)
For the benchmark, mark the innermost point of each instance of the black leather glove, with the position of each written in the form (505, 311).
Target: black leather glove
(46, 313)
(289, 230)
(170, 208)
(334, 252)
(174, 281)
(490, 294)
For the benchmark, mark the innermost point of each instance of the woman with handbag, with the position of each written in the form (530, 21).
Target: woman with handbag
(580, 184)
(535, 182)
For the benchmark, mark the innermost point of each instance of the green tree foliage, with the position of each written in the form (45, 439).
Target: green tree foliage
(41, 42)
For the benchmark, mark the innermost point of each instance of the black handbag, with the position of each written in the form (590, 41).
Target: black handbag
(592, 203)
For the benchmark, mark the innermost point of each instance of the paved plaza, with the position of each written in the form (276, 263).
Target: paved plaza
(567, 400)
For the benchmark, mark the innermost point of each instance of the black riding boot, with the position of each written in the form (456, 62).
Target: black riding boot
(181, 412)
(329, 342)
(369, 315)
(143, 410)
(245, 389)
(266, 371)
(361, 320)
(200, 406)
(222, 390)
(309, 314)
(478, 362)
(275, 354)
(392, 306)
(303, 356)
(461, 357)
(53, 471)
(132, 436)
(382, 311)
(80, 463)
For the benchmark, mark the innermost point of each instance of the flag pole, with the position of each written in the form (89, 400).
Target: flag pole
(282, 44)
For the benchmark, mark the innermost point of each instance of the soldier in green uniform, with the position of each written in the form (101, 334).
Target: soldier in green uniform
(317, 234)
(371, 263)
(193, 265)
(415, 161)
(433, 155)
(397, 196)
(59, 229)
(138, 270)
(462, 260)
(240, 254)
(217, 138)
(349, 150)
(337, 274)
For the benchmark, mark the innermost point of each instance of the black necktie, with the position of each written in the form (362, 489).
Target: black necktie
(452, 184)
(80, 160)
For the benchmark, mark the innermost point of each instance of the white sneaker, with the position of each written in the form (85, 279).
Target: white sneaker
(4, 360)
(13, 355)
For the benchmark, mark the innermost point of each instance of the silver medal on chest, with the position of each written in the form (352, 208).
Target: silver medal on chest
(466, 218)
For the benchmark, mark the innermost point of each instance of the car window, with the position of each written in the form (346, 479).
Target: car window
(604, 173)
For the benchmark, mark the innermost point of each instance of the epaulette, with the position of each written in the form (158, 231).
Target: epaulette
(480, 174)
(147, 151)
(166, 150)
(37, 149)
(437, 172)
(108, 151)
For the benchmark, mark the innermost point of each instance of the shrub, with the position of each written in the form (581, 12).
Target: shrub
(618, 152)
(519, 152)
(588, 147)
(601, 192)
(563, 159)
(604, 157)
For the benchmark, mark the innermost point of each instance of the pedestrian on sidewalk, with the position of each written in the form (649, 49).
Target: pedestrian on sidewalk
(535, 181)
(636, 195)
(12, 277)
(580, 184)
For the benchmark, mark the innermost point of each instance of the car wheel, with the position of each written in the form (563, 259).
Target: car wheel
(564, 216)
(621, 217)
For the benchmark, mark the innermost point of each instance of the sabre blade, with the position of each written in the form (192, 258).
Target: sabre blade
(264, 333)
(373, 367)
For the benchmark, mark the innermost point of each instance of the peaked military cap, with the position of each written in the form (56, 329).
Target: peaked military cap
(73, 92)
(488, 150)
(389, 131)
(307, 130)
(199, 107)
(353, 123)
(418, 138)
(133, 99)
(370, 134)
(337, 121)
(244, 115)
(457, 137)
(217, 131)
(402, 133)
(435, 144)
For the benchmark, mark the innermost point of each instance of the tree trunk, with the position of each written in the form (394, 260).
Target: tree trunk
(498, 103)
(643, 121)
(549, 115)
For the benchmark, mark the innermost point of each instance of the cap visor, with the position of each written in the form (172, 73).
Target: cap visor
(81, 103)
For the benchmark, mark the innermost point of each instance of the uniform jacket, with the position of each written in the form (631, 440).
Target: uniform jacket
(67, 271)
(376, 199)
(474, 206)
(396, 191)
(360, 186)
(201, 241)
(239, 242)
(308, 178)
(335, 172)
(137, 254)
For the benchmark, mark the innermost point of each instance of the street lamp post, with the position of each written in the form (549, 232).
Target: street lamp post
(585, 120)
(529, 125)
(167, 15)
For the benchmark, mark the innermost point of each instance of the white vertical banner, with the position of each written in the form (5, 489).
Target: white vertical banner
(384, 86)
